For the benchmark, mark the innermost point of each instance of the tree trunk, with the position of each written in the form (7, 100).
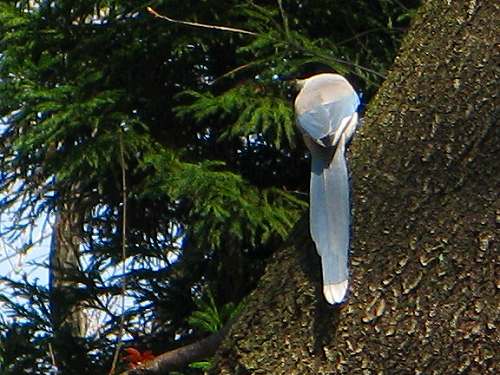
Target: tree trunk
(64, 250)
(66, 313)
(425, 175)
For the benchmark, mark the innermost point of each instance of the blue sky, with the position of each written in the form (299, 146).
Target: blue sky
(15, 263)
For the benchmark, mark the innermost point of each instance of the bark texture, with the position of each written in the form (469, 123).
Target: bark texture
(425, 174)
(67, 314)
(64, 264)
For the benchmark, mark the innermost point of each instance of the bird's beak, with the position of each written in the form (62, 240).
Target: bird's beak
(299, 83)
(296, 83)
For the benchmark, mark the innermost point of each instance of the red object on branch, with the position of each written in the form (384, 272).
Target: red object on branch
(136, 358)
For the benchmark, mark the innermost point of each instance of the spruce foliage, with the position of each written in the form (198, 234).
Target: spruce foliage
(216, 174)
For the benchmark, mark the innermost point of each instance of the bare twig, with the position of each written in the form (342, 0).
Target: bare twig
(233, 71)
(196, 24)
(361, 67)
(284, 17)
(241, 31)
(367, 32)
(52, 357)
(327, 57)
(124, 255)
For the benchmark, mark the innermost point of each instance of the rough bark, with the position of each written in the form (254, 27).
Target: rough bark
(64, 263)
(67, 316)
(425, 174)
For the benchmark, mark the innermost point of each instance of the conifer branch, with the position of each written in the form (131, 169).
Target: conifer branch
(196, 24)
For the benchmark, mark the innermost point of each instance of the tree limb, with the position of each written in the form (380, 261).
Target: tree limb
(179, 358)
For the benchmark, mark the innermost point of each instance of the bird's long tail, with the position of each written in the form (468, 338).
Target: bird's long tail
(330, 218)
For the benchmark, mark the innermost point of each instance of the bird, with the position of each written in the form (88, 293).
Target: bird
(326, 115)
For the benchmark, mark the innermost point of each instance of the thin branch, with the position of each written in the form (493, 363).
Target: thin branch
(124, 256)
(233, 71)
(374, 72)
(7, 255)
(52, 357)
(401, 5)
(285, 18)
(337, 60)
(367, 32)
(241, 31)
(196, 24)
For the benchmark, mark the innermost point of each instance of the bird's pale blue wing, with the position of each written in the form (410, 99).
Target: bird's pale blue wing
(325, 119)
(315, 123)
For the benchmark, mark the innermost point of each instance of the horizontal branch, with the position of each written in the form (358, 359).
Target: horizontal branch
(179, 358)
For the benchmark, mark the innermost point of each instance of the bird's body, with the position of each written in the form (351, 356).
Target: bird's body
(326, 115)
